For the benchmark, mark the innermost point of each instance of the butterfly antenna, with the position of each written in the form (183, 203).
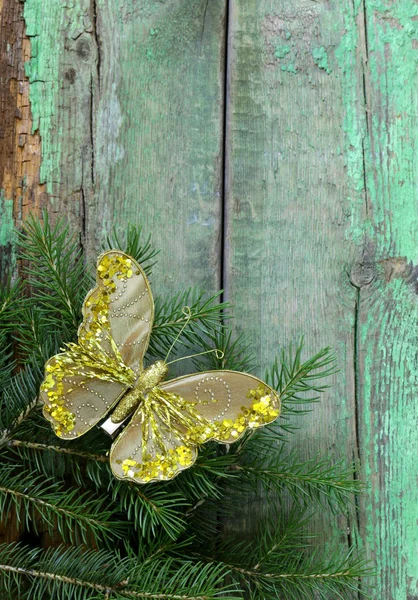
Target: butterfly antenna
(188, 314)
(219, 355)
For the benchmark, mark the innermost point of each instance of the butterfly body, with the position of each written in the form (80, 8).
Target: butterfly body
(102, 375)
(148, 380)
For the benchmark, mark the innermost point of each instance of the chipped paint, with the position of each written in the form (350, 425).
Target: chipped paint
(380, 141)
(281, 51)
(320, 57)
(7, 236)
(290, 68)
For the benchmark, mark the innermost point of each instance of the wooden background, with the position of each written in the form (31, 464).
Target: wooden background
(270, 146)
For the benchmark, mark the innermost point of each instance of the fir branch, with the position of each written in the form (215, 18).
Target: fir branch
(316, 480)
(235, 353)
(151, 508)
(55, 272)
(288, 571)
(36, 341)
(18, 398)
(7, 364)
(206, 314)
(75, 514)
(298, 382)
(203, 479)
(10, 305)
(89, 574)
(15, 443)
(131, 243)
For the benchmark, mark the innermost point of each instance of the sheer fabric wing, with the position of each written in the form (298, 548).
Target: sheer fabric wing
(75, 403)
(119, 308)
(175, 419)
(113, 337)
(150, 450)
(231, 401)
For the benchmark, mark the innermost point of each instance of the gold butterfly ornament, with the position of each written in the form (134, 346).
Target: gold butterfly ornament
(162, 422)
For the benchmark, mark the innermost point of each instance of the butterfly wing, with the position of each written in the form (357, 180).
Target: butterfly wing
(230, 401)
(121, 306)
(82, 384)
(76, 403)
(167, 428)
(151, 448)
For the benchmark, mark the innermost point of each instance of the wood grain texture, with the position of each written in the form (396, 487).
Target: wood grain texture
(322, 236)
(126, 113)
(288, 206)
(387, 306)
(131, 118)
(21, 188)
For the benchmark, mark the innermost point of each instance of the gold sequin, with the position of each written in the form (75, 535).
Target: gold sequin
(190, 429)
(96, 355)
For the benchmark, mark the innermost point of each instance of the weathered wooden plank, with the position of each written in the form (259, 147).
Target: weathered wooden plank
(158, 129)
(288, 204)
(130, 117)
(387, 306)
(322, 230)
(21, 189)
(126, 109)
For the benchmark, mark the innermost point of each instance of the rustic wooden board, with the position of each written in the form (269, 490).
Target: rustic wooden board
(387, 306)
(126, 110)
(287, 204)
(322, 236)
(125, 122)
(129, 101)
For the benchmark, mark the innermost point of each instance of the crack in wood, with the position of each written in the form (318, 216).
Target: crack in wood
(223, 268)
(97, 39)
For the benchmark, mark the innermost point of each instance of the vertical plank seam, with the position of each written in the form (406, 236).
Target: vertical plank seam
(224, 169)
(366, 85)
(357, 309)
(97, 39)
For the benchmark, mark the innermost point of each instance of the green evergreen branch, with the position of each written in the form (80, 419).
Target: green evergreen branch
(314, 480)
(75, 514)
(10, 305)
(131, 243)
(55, 272)
(104, 574)
(151, 508)
(15, 443)
(170, 317)
(236, 353)
(297, 576)
(298, 382)
(18, 398)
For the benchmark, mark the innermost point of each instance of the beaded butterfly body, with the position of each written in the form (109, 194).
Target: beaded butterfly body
(104, 372)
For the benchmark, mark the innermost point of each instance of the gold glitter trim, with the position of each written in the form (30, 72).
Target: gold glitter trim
(96, 355)
(190, 429)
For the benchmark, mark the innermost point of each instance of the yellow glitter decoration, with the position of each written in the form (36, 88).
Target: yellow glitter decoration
(191, 430)
(170, 420)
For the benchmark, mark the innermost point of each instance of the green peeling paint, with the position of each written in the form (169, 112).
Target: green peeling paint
(281, 51)
(321, 58)
(7, 232)
(7, 235)
(290, 68)
(380, 151)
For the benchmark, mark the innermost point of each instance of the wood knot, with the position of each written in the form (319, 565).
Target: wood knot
(362, 273)
(83, 49)
(70, 75)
